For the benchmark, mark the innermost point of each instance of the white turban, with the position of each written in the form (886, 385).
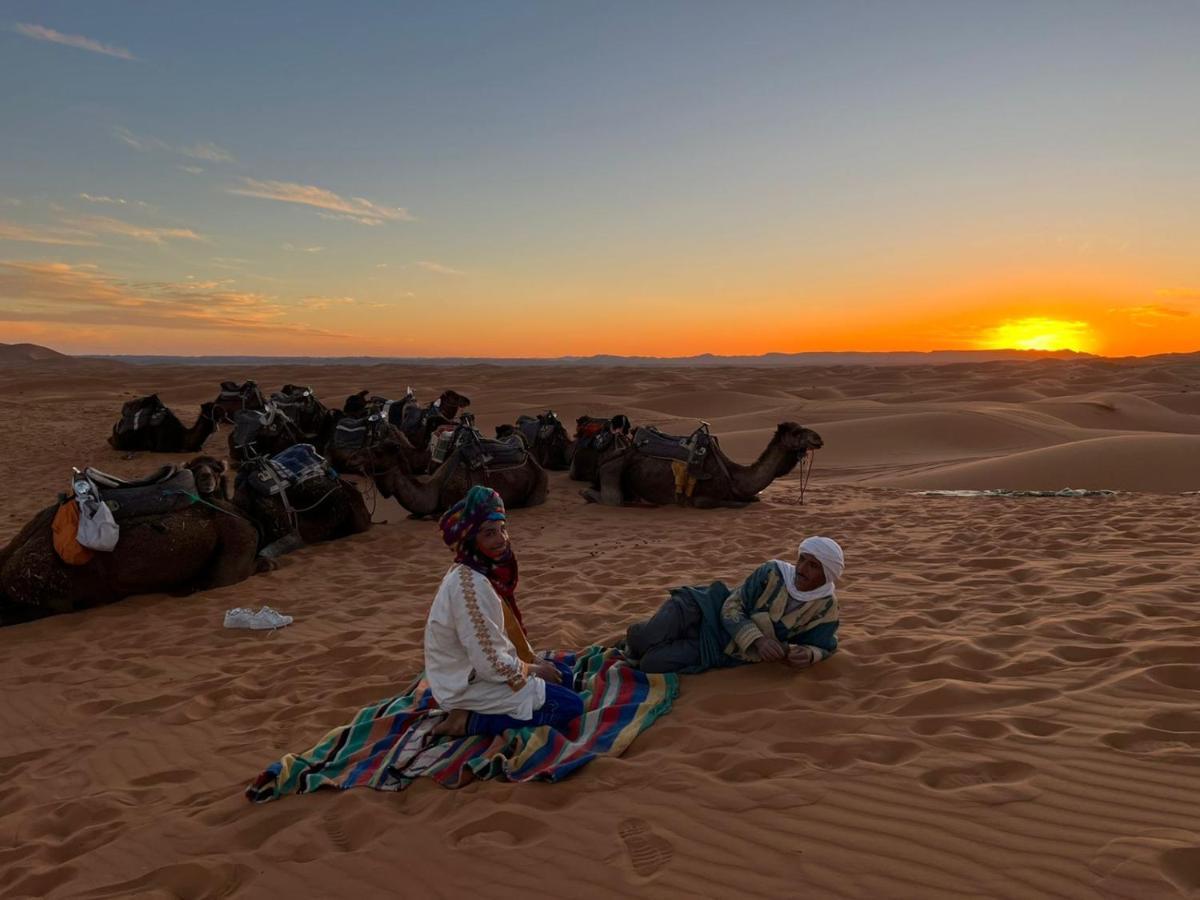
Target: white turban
(828, 554)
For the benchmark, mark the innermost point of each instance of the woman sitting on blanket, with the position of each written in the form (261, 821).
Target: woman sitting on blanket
(780, 613)
(480, 666)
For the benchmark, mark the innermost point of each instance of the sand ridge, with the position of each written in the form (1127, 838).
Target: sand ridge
(1013, 712)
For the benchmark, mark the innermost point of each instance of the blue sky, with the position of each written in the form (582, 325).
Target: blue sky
(803, 164)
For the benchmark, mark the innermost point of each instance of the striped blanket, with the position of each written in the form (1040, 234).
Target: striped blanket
(388, 745)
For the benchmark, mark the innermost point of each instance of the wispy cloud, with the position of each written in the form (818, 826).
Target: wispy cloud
(193, 170)
(356, 209)
(437, 267)
(42, 33)
(206, 150)
(58, 292)
(292, 248)
(149, 235)
(321, 303)
(46, 234)
(115, 201)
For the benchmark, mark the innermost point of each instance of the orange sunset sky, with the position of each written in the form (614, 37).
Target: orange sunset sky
(545, 179)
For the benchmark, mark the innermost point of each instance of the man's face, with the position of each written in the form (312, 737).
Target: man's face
(810, 574)
(492, 539)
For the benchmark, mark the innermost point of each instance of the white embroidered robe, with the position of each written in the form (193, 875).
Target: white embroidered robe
(469, 660)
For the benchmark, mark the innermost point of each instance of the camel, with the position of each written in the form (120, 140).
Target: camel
(264, 433)
(321, 509)
(356, 446)
(521, 484)
(418, 425)
(212, 543)
(232, 398)
(593, 437)
(631, 474)
(203, 546)
(545, 437)
(308, 413)
(146, 424)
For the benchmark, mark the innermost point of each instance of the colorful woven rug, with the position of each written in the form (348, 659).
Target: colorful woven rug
(388, 745)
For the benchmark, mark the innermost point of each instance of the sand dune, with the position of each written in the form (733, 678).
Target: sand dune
(1013, 712)
(1153, 462)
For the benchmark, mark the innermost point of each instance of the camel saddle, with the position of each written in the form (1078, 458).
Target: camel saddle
(144, 412)
(594, 433)
(167, 490)
(541, 426)
(692, 449)
(361, 434)
(294, 399)
(404, 413)
(468, 446)
(295, 465)
(248, 422)
(247, 394)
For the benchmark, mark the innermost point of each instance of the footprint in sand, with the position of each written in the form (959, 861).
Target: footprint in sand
(1157, 863)
(648, 850)
(992, 783)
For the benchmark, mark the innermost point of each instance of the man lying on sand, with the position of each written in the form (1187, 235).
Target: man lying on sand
(478, 660)
(781, 613)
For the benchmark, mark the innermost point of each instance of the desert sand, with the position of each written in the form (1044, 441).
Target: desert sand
(1014, 711)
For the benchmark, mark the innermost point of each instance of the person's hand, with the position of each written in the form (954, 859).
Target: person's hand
(769, 649)
(547, 671)
(799, 656)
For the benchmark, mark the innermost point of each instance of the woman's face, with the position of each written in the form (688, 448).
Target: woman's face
(492, 539)
(810, 574)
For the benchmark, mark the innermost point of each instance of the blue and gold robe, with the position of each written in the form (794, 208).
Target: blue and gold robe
(761, 607)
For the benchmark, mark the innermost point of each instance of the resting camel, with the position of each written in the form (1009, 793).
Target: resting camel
(205, 545)
(370, 437)
(631, 475)
(232, 398)
(593, 437)
(146, 424)
(308, 413)
(262, 433)
(544, 435)
(191, 549)
(524, 484)
(325, 509)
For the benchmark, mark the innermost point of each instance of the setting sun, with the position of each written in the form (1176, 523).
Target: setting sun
(1037, 333)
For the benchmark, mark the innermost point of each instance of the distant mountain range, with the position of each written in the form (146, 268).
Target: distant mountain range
(904, 358)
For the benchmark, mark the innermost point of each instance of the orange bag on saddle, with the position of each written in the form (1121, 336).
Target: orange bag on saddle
(64, 528)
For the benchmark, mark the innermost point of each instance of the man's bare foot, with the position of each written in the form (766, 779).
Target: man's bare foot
(454, 724)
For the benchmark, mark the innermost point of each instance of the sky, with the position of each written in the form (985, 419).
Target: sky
(560, 178)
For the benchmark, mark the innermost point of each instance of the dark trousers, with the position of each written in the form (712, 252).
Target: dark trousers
(669, 640)
(562, 707)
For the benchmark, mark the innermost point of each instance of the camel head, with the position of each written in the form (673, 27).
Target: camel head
(214, 413)
(452, 402)
(210, 475)
(356, 404)
(797, 439)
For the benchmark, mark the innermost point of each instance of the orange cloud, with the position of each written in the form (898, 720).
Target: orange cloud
(40, 234)
(149, 235)
(58, 292)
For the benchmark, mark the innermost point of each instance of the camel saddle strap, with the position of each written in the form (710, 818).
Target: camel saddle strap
(692, 450)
